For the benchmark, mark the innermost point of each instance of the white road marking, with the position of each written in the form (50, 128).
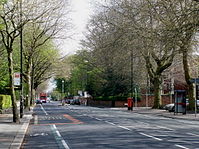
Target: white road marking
(43, 109)
(58, 133)
(181, 146)
(124, 128)
(62, 140)
(150, 136)
(98, 119)
(164, 128)
(193, 134)
(110, 123)
(65, 144)
(35, 119)
(54, 127)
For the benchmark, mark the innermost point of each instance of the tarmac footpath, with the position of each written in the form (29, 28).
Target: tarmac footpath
(12, 134)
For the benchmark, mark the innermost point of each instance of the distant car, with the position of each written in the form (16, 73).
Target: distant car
(48, 99)
(38, 101)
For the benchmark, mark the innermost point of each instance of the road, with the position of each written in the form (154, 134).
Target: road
(73, 127)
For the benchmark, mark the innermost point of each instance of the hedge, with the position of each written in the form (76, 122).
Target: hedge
(5, 102)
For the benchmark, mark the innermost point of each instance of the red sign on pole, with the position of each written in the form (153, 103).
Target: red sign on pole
(17, 78)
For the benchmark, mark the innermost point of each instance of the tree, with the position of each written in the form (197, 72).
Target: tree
(38, 32)
(9, 32)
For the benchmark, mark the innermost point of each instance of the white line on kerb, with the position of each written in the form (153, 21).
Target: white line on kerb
(150, 136)
(43, 109)
(181, 146)
(124, 128)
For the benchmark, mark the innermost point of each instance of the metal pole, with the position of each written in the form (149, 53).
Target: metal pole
(131, 73)
(195, 97)
(21, 70)
(62, 94)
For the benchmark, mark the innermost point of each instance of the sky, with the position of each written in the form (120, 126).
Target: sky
(81, 10)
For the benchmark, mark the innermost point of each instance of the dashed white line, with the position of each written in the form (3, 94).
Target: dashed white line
(124, 128)
(150, 136)
(43, 109)
(164, 128)
(180, 146)
(193, 134)
(110, 123)
(98, 119)
(54, 127)
(65, 145)
(59, 135)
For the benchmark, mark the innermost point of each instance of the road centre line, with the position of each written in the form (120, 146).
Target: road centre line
(150, 136)
(124, 128)
(60, 137)
(98, 119)
(43, 109)
(181, 146)
(110, 123)
(193, 134)
(164, 128)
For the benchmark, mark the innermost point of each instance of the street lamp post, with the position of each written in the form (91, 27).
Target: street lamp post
(63, 101)
(21, 63)
(131, 76)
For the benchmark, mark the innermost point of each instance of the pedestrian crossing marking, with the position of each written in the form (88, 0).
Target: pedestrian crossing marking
(58, 117)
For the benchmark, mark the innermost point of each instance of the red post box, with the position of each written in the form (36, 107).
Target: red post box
(130, 103)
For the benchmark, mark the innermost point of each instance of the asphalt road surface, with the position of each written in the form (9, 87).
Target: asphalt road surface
(73, 127)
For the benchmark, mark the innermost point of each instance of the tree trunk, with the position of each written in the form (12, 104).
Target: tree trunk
(12, 91)
(32, 87)
(187, 78)
(157, 93)
(28, 80)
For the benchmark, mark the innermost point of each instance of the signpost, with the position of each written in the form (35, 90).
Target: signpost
(17, 79)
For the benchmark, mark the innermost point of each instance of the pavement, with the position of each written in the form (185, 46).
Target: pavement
(12, 134)
(162, 112)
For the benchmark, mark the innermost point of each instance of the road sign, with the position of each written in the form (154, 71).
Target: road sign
(17, 79)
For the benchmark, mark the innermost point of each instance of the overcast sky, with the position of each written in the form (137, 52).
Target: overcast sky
(81, 10)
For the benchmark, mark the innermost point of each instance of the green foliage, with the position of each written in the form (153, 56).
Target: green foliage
(5, 101)
(88, 76)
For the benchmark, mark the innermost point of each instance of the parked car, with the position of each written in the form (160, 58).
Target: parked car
(169, 107)
(38, 101)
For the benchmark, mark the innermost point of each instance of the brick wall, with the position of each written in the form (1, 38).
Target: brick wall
(142, 103)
